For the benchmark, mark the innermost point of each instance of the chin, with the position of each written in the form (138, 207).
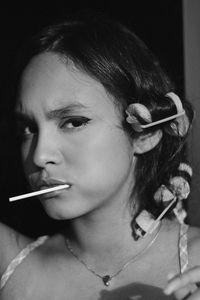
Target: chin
(60, 211)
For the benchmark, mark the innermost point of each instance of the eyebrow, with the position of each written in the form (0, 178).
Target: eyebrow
(56, 113)
(63, 111)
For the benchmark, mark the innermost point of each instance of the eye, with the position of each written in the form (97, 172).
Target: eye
(26, 129)
(74, 123)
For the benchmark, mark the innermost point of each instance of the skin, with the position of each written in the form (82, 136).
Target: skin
(185, 285)
(96, 156)
(84, 154)
(72, 133)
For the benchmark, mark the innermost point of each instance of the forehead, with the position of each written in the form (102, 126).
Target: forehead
(50, 83)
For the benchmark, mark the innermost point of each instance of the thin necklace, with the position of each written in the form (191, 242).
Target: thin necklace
(107, 278)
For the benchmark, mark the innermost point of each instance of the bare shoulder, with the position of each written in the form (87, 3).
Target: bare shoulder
(11, 243)
(194, 246)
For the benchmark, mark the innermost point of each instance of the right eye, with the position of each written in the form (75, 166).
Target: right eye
(25, 129)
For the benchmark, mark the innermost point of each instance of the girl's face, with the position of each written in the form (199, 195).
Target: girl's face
(72, 134)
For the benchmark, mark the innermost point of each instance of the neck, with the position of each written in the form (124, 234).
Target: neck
(110, 256)
(96, 233)
(104, 237)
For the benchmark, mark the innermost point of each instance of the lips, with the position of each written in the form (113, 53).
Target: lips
(48, 183)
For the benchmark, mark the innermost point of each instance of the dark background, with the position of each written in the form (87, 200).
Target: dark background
(158, 23)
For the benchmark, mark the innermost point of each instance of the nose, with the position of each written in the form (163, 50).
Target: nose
(46, 150)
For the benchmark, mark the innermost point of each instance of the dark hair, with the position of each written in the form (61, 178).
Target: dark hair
(121, 62)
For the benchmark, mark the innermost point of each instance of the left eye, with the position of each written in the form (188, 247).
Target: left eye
(74, 123)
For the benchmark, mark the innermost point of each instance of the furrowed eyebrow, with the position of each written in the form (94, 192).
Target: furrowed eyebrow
(63, 111)
(54, 114)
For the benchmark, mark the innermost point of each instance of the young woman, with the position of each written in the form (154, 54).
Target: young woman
(100, 120)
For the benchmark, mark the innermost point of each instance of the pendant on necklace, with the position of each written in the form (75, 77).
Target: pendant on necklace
(106, 280)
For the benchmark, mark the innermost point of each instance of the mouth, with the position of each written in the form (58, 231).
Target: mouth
(51, 183)
(52, 191)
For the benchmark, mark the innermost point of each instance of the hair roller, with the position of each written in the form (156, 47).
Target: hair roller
(163, 194)
(178, 126)
(180, 183)
(176, 100)
(180, 187)
(185, 168)
(137, 112)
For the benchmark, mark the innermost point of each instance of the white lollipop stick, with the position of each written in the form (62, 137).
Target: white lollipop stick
(52, 189)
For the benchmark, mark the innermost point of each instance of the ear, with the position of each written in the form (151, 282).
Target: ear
(146, 142)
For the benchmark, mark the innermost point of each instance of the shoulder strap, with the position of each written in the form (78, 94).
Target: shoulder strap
(183, 247)
(19, 258)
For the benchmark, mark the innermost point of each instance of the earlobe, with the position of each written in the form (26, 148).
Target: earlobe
(146, 142)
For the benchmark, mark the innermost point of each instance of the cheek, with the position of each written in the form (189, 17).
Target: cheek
(113, 153)
(115, 158)
(105, 158)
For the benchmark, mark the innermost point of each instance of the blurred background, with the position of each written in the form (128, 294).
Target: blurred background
(170, 28)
